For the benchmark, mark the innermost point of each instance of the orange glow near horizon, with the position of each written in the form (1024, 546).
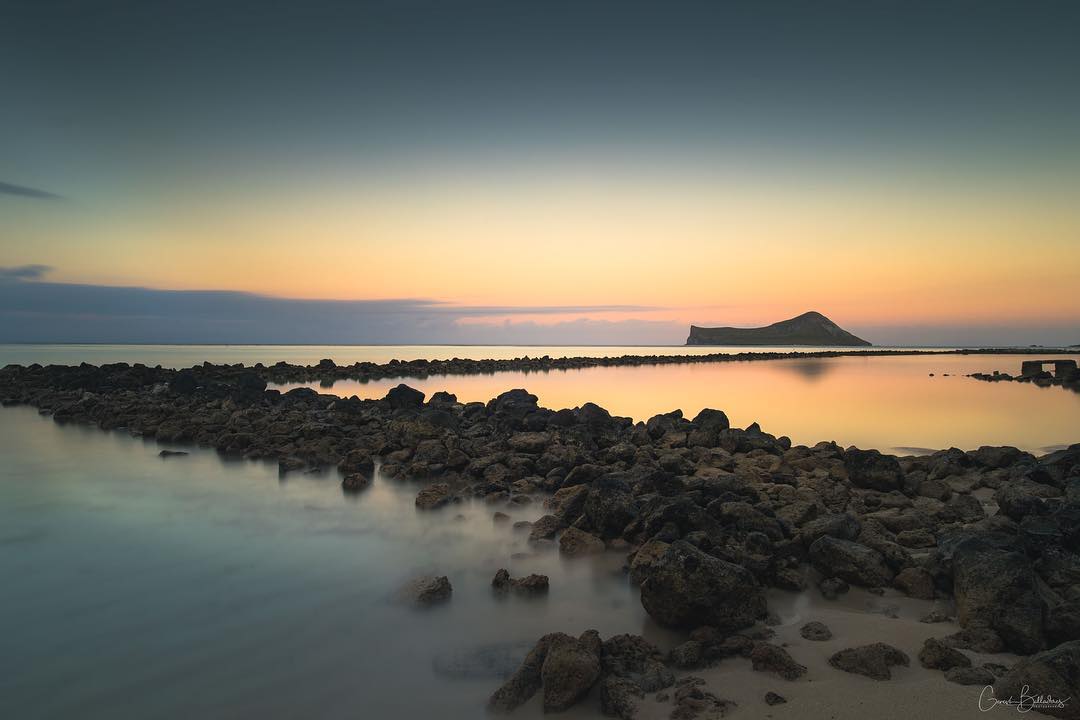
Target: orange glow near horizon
(716, 252)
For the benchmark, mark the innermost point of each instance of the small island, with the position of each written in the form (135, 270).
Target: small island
(810, 328)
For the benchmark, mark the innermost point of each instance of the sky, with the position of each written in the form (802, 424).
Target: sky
(558, 172)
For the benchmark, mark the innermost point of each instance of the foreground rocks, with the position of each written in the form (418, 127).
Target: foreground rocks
(874, 660)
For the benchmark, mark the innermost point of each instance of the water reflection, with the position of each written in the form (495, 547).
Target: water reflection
(889, 403)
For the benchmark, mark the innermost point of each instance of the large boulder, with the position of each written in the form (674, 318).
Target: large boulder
(610, 506)
(426, 590)
(871, 470)
(936, 655)
(689, 588)
(571, 667)
(850, 561)
(404, 397)
(576, 543)
(994, 586)
(1054, 675)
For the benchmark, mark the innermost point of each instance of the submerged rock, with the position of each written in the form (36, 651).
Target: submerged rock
(533, 584)
(426, 590)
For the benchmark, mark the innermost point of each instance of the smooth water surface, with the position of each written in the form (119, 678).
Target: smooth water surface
(141, 587)
(889, 403)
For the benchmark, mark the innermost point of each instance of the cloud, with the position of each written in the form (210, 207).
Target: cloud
(21, 191)
(24, 272)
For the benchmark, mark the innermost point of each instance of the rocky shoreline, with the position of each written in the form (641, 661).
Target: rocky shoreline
(709, 517)
(1066, 374)
(327, 371)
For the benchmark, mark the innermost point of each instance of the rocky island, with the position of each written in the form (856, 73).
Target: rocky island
(811, 328)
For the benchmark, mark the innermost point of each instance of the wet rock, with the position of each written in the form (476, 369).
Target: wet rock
(646, 559)
(980, 640)
(872, 660)
(772, 658)
(817, 631)
(576, 543)
(936, 655)
(355, 482)
(837, 525)
(426, 590)
(994, 587)
(619, 697)
(634, 658)
(172, 453)
(609, 506)
(1053, 673)
(525, 681)
(434, 496)
(689, 588)
(849, 561)
(544, 528)
(688, 655)
(571, 667)
(529, 585)
(567, 503)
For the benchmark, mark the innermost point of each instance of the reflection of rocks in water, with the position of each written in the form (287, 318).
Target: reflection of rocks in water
(811, 369)
(483, 662)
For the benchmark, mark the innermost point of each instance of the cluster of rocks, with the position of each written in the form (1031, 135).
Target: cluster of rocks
(709, 515)
(1066, 374)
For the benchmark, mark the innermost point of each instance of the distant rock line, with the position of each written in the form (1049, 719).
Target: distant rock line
(810, 328)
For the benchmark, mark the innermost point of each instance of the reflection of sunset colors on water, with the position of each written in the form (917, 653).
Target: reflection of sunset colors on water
(879, 402)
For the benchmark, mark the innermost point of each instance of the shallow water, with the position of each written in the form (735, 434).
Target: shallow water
(889, 403)
(136, 586)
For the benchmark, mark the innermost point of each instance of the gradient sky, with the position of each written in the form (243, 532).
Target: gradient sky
(557, 171)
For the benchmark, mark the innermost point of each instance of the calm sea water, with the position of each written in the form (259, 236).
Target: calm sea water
(136, 587)
(889, 403)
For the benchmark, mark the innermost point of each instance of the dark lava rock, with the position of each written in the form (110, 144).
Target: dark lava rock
(832, 588)
(404, 397)
(354, 482)
(1053, 673)
(994, 587)
(980, 640)
(426, 590)
(871, 470)
(688, 655)
(936, 655)
(772, 698)
(576, 543)
(773, 658)
(872, 660)
(817, 631)
(693, 701)
(571, 667)
(849, 561)
(533, 584)
(916, 582)
(433, 496)
(172, 453)
(689, 588)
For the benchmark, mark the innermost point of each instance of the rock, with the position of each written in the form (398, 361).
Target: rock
(872, 660)
(172, 453)
(426, 590)
(609, 506)
(404, 397)
(772, 698)
(646, 559)
(688, 655)
(709, 419)
(694, 702)
(567, 503)
(1054, 673)
(994, 587)
(500, 518)
(871, 470)
(571, 667)
(838, 525)
(936, 655)
(916, 539)
(772, 658)
(529, 585)
(817, 631)
(980, 640)
(433, 496)
(576, 543)
(849, 561)
(916, 582)
(354, 482)
(689, 588)
(970, 676)
(544, 528)
(619, 697)
(525, 681)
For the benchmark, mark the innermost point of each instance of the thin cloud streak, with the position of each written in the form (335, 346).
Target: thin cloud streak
(28, 192)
